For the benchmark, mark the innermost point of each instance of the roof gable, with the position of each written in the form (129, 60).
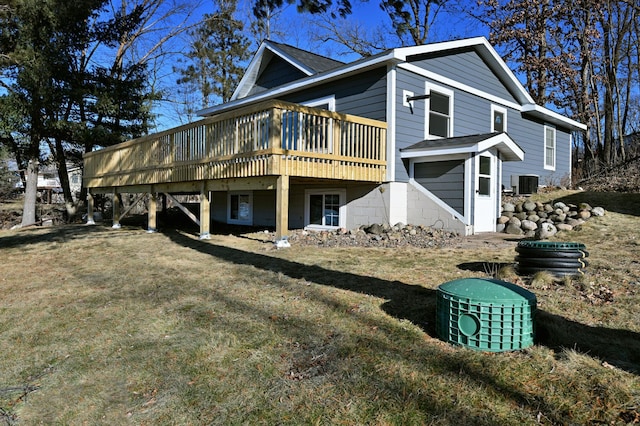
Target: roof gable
(456, 65)
(319, 70)
(292, 63)
(275, 73)
(483, 50)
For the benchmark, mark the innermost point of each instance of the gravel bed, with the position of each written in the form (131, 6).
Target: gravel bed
(376, 236)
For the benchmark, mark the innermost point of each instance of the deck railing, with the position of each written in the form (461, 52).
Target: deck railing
(271, 138)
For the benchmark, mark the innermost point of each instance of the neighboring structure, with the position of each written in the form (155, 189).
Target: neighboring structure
(423, 135)
(49, 181)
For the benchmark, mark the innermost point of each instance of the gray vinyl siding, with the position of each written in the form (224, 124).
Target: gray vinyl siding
(467, 68)
(444, 179)
(363, 95)
(276, 73)
(409, 122)
(472, 115)
(529, 135)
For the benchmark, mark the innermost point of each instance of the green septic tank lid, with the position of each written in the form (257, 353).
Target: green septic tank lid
(486, 290)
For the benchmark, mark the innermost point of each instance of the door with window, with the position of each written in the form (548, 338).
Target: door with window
(240, 208)
(325, 209)
(486, 194)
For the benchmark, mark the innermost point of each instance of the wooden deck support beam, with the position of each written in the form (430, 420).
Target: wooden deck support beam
(183, 209)
(153, 207)
(205, 213)
(117, 204)
(282, 211)
(90, 206)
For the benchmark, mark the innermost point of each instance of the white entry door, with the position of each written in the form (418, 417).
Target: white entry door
(485, 197)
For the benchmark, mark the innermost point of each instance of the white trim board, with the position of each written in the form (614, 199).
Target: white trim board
(457, 85)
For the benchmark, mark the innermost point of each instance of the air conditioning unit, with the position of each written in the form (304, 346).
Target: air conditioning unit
(524, 184)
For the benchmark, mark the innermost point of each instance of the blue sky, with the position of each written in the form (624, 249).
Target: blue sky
(301, 30)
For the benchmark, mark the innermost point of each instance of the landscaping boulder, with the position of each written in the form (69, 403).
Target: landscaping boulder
(542, 220)
(546, 230)
(528, 225)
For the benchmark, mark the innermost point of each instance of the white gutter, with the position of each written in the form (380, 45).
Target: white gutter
(543, 112)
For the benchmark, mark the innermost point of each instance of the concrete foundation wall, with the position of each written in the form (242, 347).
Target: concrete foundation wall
(421, 210)
(366, 204)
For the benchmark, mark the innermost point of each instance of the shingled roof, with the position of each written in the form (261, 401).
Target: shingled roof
(509, 150)
(310, 60)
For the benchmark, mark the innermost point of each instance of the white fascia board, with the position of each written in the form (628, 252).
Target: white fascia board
(251, 73)
(460, 86)
(504, 143)
(292, 61)
(404, 52)
(532, 108)
(253, 69)
(512, 81)
(433, 152)
(310, 81)
(485, 50)
(553, 117)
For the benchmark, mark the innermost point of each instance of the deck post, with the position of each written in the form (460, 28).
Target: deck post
(90, 201)
(205, 213)
(117, 203)
(153, 207)
(282, 211)
(275, 129)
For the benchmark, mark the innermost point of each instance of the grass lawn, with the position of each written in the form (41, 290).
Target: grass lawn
(103, 326)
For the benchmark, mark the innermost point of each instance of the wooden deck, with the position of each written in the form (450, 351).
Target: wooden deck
(269, 139)
(257, 147)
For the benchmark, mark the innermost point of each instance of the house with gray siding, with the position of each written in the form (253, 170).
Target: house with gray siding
(461, 129)
(428, 135)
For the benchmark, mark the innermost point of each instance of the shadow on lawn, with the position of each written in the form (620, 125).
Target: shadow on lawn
(620, 348)
(619, 202)
(56, 234)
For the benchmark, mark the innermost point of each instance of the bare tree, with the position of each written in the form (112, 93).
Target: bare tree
(353, 35)
(412, 19)
(580, 57)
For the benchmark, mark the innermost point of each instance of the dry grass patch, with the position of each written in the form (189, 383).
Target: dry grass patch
(110, 327)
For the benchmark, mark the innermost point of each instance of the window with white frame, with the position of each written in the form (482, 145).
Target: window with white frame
(325, 208)
(549, 148)
(498, 119)
(240, 208)
(439, 120)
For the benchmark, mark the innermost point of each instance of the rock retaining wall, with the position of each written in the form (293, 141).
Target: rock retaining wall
(538, 220)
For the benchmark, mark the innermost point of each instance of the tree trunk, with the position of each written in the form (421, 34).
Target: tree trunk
(63, 175)
(30, 194)
(608, 105)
